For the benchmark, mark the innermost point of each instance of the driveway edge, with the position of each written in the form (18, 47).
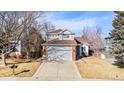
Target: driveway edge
(38, 70)
(80, 77)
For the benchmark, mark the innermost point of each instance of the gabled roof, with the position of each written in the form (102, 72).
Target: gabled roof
(82, 40)
(67, 33)
(60, 42)
(56, 31)
(60, 31)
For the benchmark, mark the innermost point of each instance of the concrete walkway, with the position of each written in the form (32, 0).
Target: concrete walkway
(57, 71)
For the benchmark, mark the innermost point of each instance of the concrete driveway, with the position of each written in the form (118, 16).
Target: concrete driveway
(57, 71)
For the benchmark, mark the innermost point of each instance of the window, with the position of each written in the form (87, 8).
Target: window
(65, 36)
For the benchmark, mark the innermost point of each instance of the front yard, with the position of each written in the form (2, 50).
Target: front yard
(24, 69)
(94, 68)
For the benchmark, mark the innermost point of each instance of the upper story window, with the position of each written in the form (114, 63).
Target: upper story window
(52, 35)
(65, 36)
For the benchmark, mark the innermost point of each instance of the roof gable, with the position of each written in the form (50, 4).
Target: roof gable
(60, 31)
(82, 40)
(56, 31)
(66, 32)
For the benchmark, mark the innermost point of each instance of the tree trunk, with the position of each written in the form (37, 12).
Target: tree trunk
(4, 59)
(28, 55)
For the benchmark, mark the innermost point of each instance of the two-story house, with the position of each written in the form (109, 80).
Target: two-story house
(63, 45)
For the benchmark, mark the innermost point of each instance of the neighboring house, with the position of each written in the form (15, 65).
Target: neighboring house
(17, 48)
(108, 44)
(63, 45)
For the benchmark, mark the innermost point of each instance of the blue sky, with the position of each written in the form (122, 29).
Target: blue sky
(76, 20)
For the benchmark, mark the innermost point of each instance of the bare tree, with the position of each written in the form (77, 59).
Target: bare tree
(47, 27)
(94, 37)
(31, 23)
(98, 38)
(85, 32)
(10, 24)
(13, 26)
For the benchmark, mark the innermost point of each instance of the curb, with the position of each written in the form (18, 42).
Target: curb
(80, 77)
(38, 70)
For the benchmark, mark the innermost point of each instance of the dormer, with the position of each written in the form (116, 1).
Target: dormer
(66, 35)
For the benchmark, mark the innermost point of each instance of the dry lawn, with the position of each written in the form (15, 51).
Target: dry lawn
(94, 68)
(24, 69)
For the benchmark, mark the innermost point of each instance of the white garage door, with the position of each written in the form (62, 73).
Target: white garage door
(59, 53)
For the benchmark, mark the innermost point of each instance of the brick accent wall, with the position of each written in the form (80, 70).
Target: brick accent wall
(44, 53)
(73, 53)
